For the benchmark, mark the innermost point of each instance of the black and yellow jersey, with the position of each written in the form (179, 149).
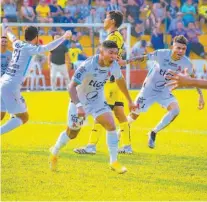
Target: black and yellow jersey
(117, 37)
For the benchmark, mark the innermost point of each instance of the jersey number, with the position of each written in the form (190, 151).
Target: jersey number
(16, 54)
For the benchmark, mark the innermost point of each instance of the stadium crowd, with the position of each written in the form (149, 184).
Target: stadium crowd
(154, 23)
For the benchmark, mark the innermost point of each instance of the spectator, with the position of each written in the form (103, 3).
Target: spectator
(73, 53)
(93, 18)
(62, 3)
(202, 11)
(58, 60)
(27, 12)
(56, 11)
(133, 10)
(159, 13)
(157, 38)
(6, 55)
(113, 6)
(72, 8)
(43, 12)
(137, 30)
(83, 10)
(189, 11)
(10, 10)
(195, 45)
(174, 21)
(180, 30)
(139, 49)
(172, 11)
(100, 6)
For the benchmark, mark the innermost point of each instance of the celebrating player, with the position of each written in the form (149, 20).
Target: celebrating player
(87, 97)
(114, 98)
(10, 84)
(154, 88)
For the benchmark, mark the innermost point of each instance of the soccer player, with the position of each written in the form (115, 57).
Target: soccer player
(87, 97)
(182, 80)
(5, 55)
(154, 88)
(112, 22)
(10, 84)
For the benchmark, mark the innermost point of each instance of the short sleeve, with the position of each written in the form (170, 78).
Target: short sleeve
(79, 74)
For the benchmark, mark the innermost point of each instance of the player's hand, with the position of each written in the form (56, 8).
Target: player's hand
(121, 62)
(81, 112)
(132, 106)
(68, 34)
(201, 103)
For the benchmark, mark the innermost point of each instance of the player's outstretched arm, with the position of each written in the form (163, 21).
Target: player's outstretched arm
(123, 87)
(50, 46)
(10, 35)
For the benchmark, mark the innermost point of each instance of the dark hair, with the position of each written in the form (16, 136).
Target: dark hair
(117, 16)
(112, 78)
(30, 33)
(109, 44)
(180, 39)
(4, 37)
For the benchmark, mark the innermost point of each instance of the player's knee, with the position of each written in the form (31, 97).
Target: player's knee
(23, 116)
(175, 112)
(110, 126)
(2, 115)
(72, 134)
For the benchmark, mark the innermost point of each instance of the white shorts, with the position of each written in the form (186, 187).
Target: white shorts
(61, 69)
(144, 102)
(12, 100)
(75, 123)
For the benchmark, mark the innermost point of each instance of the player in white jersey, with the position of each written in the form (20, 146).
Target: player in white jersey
(10, 83)
(154, 88)
(87, 97)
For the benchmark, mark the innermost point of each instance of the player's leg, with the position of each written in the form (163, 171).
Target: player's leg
(53, 72)
(173, 111)
(73, 128)
(124, 128)
(64, 73)
(15, 104)
(107, 121)
(3, 109)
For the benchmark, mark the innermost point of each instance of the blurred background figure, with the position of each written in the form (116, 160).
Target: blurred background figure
(58, 62)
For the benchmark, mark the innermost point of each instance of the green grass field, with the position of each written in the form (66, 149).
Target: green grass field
(175, 170)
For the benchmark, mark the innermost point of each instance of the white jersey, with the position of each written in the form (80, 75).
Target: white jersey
(155, 80)
(92, 77)
(21, 57)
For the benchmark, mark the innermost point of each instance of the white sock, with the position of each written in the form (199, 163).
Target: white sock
(61, 142)
(112, 142)
(10, 125)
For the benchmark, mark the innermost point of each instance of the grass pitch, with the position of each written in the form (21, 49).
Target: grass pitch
(175, 170)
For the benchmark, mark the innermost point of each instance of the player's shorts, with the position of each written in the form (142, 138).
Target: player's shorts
(144, 102)
(12, 100)
(116, 104)
(95, 110)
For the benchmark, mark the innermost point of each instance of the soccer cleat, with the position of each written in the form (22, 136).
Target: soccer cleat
(117, 167)
(151, 139)
(53, 162)
(89, 149)
(127, 149)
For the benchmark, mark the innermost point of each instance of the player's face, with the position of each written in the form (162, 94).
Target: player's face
(109, 55)
(3, 43)
(107, 22)
(179, 50)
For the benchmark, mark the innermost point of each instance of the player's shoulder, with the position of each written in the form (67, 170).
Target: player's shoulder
(90, 62)
(115, 35)
(164, 51)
